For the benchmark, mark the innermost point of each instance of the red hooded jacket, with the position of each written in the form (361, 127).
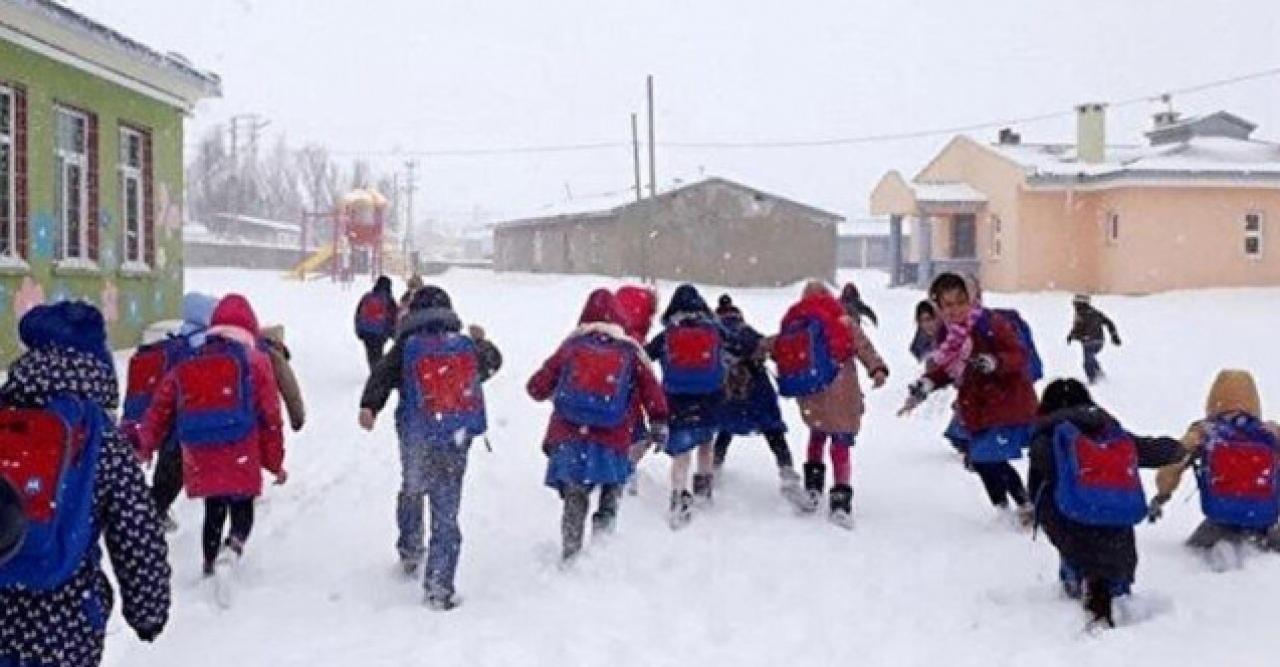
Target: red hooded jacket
(601, 318)
(637, 306)
(233, 469)
(1003, 398)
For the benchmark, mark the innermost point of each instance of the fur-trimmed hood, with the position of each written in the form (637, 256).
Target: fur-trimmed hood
(614, 331)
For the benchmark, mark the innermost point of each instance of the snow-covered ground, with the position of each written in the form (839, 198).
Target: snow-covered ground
(928, 577)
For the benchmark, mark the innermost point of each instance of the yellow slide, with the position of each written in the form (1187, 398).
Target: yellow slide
(310, 264)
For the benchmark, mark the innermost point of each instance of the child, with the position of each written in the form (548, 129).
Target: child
(1093, 533)
(272, 342)
(1235, 454)
(438, 372)
(855, 307)
(54, 611)
(376, 319)
(835, 411)
(1087, 328)
(637, 305)
(990, 364)
(751, 404)
(929, 331)
(690, 349)
(602, 384)
(224, 442)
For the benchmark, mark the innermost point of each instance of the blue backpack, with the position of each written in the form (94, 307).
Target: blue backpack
(215, 395)
(1097, 481)
(595, 383)
(1237, 473)
(442, 401)
(803, 356)
(147, 367)
(693, 359)
(1035, 367)
(375, 316)
(49, 456)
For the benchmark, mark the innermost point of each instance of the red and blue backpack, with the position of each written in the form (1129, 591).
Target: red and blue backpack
(1035, 366)
(1097, 477)
(595, 383)
(693, 358)
(49, 458)
(215, 395)
(1236, 472)
(375, 316)
(803, 356)
(147, 367)
(442, 401)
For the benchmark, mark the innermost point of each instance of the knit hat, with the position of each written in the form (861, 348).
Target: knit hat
(1063, 394)
(601, 307)
(71, 324)
(1233, 391)
(234, 311)
(726, 308)
(197, 310)
(1081, 299)
(382, 284)
(430, 296)
(13, 523)
(685, 299)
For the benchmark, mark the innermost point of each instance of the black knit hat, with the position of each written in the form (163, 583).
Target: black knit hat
(1063, 394)
(431, 296)
(726, 308)
(13, 523)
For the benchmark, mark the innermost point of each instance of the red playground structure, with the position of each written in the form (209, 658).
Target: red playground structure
(358, 224)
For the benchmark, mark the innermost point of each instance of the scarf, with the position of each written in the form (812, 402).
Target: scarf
(952, 355)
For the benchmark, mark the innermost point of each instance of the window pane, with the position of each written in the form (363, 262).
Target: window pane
(1252, 222)
(6, 201)
(72, 195)
(135, 151)
(6, 113)
(131, 219)
(1252, 245)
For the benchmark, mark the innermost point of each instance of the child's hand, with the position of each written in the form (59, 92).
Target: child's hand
(878, 378)
(367, 419)
(282, 477)
(476, 332)
(1156, 510)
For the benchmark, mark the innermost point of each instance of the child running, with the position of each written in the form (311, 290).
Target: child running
(638, 304)
(1087, 329)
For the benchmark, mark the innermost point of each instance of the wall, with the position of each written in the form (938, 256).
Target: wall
(864, 251)
(128, 302)
(202, 254)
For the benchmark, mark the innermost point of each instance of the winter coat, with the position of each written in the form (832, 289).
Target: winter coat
(1005, 397)
(66, 626)
(273, 343)
(380, 291)
(233, 469)
(1088, 325)
(388, 375)
(751, 403)
(646, 394)
(1093, 551)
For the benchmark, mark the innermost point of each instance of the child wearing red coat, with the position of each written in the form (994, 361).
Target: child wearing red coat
(226, 475)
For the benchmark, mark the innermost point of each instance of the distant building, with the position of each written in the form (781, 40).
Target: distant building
(864, 244)
(1191, 207)
(714, 231)
(91, 173)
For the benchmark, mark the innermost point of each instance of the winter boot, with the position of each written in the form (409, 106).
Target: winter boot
(681, 509)
(791, 487)
(441, 601)
(842, 506)
(702, 488)
(1097, 601)
(409, 566)
(815, 476)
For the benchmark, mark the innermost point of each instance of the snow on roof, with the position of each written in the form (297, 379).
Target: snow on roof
(1214, 156)
(864, 227)
(947, 193)
(274, 225)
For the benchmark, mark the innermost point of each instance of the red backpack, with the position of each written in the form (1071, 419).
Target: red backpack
(375, 316)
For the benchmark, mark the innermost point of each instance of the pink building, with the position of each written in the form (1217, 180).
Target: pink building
(1188, 208)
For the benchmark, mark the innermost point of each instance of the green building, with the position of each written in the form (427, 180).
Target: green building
(91, 170)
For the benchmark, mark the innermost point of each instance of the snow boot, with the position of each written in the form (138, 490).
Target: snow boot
(409, 566)
(1097, 601)
(602, 522)
(842, 506)
(790, 486)
(702, 488)
(681, 509)
(815, 476)
(441, 602)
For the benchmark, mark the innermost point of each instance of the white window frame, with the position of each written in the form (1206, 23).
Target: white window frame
(64, 159)
(1112, 227)
(997, 237)
(135, 174)
(1254, 234)
(9, 138)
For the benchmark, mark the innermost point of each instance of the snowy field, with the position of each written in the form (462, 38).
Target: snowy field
(928, 577)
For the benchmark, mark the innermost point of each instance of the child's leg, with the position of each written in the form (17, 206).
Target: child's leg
(1092, 369)
(577, 500)
(723, 439)
(841, 444)
(167, 483)
(444, 472)
(706, 458)
(680, 472)
(817, 443)
(993, 480)
(607, 511)
(1013, 485)
(410, 513)
(215, 516)
(241, 522)
(777, 439)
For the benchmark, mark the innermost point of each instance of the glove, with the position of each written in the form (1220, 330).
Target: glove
(983, 363)
(476, 332)
(1156, 509)
(917, 393)
(148, 633)
(658, 434)
(1115, 340)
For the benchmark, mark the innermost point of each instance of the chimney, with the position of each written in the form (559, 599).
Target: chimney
(1091, 133)
(1162, 119)
(1008, 137)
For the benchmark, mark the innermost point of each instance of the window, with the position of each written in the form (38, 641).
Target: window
(75, 184)
(963, 237)
(1253, 234)
(1113, 228)
(136, 210)
(13, 174)
(997, 237)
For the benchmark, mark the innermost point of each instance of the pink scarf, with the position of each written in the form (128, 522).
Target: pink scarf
(953, 354)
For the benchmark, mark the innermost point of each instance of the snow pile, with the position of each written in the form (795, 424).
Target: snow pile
(928, 577)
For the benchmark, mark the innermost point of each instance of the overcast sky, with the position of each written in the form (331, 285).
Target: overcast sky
(378, 76)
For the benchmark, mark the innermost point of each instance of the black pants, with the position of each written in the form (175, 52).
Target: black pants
(776, 438)
(577, 502)
(373, 348)
(1002, 482)
(167, 482)
(215, 517)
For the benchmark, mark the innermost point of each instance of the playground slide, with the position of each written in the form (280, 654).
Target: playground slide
(312, 263)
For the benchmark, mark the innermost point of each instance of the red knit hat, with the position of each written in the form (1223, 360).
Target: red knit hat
(601, 306)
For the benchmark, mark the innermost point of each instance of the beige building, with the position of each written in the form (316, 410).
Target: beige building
(1190, 207)
(714, 231)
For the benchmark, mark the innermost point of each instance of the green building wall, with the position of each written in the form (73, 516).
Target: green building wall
(129, 302)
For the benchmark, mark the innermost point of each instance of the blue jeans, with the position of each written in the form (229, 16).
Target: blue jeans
(1092, 369)
(436, 472)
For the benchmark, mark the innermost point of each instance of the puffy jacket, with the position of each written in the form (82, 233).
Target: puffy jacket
(1003, 398)
(273, 343)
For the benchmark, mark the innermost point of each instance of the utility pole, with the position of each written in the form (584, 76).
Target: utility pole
(653, 169)
(254, 125)
(410, 186)
(635, 153)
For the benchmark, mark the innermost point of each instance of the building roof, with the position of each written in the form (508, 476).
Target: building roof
(273, 225)
(59, 32)
(607, 208)
(947, 193)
